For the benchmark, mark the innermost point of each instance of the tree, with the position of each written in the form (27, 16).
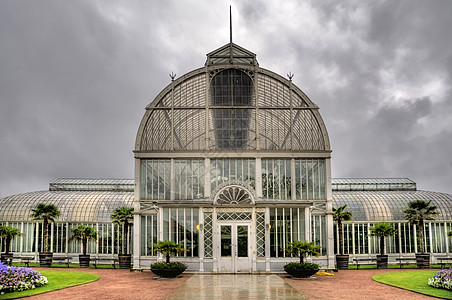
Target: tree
(382, 230)
(9, 233)
(449, 233)
(83, 233)
(303, 249)
(340, 216)
(168, 247)
(123, 216)
(45, 213)
(417, 212)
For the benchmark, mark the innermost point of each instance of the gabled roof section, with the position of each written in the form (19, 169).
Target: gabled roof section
(231, 54)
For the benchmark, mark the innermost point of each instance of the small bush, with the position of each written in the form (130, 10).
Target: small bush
(442, 279)
(171, 265)
(300, 266)
(16, 279)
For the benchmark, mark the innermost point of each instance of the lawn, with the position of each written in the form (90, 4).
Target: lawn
(57, 280)
(415, 281)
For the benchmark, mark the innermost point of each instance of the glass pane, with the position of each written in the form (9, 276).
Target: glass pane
(242, 241)
(226, 243)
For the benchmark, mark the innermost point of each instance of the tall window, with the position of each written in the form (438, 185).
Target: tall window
(155, 179)
(310, 179)
(231, 88)
(276, 179)
(222, 170)
(189, 179)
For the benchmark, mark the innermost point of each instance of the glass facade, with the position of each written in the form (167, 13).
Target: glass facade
(286, 225)
(109, 238)
(223, 170)
(156, 179)
(181, 225)
(276, 179)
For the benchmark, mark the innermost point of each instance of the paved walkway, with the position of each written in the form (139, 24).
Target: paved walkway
(236, 287)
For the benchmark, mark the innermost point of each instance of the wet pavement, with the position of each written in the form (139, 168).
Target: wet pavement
(236, 287)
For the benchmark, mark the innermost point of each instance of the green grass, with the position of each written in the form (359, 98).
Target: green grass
(415, 281)
(395, 266)
(57, 280)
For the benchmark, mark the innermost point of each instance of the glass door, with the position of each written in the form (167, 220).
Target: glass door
(234, 248)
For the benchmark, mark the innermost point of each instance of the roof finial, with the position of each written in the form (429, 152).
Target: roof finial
(290, 75)
(172, 75)
(230, 34)
(230, 25)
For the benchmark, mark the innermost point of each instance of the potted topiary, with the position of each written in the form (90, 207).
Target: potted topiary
(168, 269)
(382, 230)
(45, 213)
(123, 216)
(83, 233)
(8, 233)
(302, 249)
(340, 215)
(417, 212)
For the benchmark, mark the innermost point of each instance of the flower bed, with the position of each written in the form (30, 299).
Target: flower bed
(16, 279)
(442, 279)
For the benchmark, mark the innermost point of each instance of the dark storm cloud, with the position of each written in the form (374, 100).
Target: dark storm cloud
(75, 77)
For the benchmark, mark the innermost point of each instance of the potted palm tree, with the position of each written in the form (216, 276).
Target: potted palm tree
(302, 249)
(123, 216)
(83, 233)
(45, 213)
(340, 216)
(417, 212)
(8, 233)
(168, 269)
(382, 230)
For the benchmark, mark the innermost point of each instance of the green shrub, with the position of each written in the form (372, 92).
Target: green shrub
(300, 266)
(170, 265)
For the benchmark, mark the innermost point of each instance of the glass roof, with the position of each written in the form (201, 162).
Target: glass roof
(91, 184)
(389, 205)
(95, 200)
(75, 206)
(373, 184)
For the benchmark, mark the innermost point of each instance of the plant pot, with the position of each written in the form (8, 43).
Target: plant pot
(45, 259)
(167, 273)
(84, 260)
(382, 261)
(423, 260)
(125, 260)
(6, 258)
(342, 261)
(302, 273)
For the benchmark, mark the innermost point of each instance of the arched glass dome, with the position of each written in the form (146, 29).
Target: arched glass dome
(232, 105)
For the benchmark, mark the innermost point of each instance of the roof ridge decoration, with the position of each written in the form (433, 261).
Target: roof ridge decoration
(231, 53)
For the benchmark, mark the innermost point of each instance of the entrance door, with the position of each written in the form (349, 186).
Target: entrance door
(234, 248)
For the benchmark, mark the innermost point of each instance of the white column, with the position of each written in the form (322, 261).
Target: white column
(259, 177)
(136, 217)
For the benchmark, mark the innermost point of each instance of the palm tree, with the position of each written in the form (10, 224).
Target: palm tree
(83, 233)
(417, 212)
(340, 216)
(168, 247)
(303, 249)
(45, 213)
(382, 230)
(9, 233)
(123, 216)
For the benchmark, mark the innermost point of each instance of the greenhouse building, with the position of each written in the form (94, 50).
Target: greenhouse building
(234, 162)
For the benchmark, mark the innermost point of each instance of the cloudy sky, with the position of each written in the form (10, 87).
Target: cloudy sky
(75, 77)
